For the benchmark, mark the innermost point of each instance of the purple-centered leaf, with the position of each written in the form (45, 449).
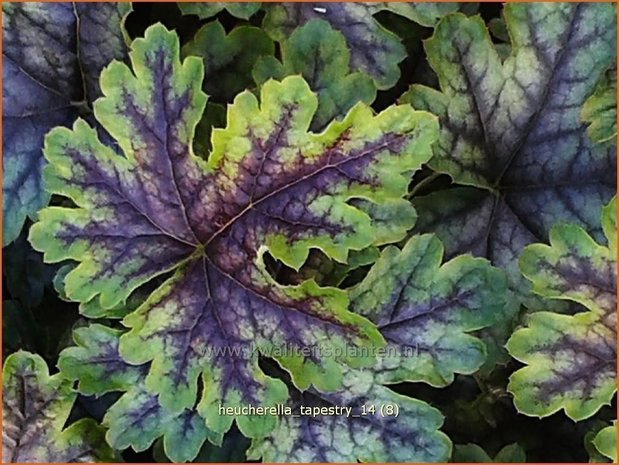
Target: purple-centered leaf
(137, 418)
(52, 55)
(35, 408)
(365, 433)
(268, 185)
(571, 359)
(425, 311)
(512, 131)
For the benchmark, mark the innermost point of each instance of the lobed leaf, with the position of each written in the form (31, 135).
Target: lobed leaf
(243, 10)
(319, 53)
(425, 311)
(411, 436)
(571, 359)
(76, 40)
(268, 185)
(137, 419)
(511, 130)
(35, 408)
(228, 59)
(373, 49)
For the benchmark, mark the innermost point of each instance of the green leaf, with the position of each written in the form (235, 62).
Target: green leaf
(327, 272)
(206, 10)
(606, 441)
(472, 453)
(137, 419)
(571, 359)
(214, 117)
(232, 449)
(52, 55)
(511, 453)
(228, 59)
(426, 311)
(600, 109)
(268, 185)
(509, 132)
(319, 53)
(35, 408)
(373, 50)
(410, 436)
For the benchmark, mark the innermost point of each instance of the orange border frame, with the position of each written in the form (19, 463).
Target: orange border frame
(300, 1)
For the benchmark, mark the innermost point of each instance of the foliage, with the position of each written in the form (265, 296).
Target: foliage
(508, 131)
(600, 109)
(318, 53)
(472, 453)
(571, 358)
(606, 441)
(416, 305)
(35, 408)
(39, 94)
(373, 49)
(381, 220)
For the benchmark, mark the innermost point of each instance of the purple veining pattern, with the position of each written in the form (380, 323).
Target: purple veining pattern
(268, 184)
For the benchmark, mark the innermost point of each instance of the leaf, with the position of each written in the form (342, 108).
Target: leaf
(214, 117)
(411, 436)
(373, 50)
(327, 272)
(35, 407)
(426, 311)
(508, 130)
(319, 53)
(228, 59)
(600, 109)
(137, 418)
(206, 10)
(472, 453)
(571, 359)
(498, 29)
(233, 449)
(606, 441)
(268, 185)
(77, 41)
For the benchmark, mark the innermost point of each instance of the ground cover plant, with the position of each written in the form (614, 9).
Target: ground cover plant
(307, 232)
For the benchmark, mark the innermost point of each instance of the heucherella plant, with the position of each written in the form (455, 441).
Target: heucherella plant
(512, 132)
(268, 185)
(137, 419)
(39, 94)
(426, 312)
(571, 358)
(35, 408)
(309, 232)
(373, 49)
(318, 52)
(228, 58)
